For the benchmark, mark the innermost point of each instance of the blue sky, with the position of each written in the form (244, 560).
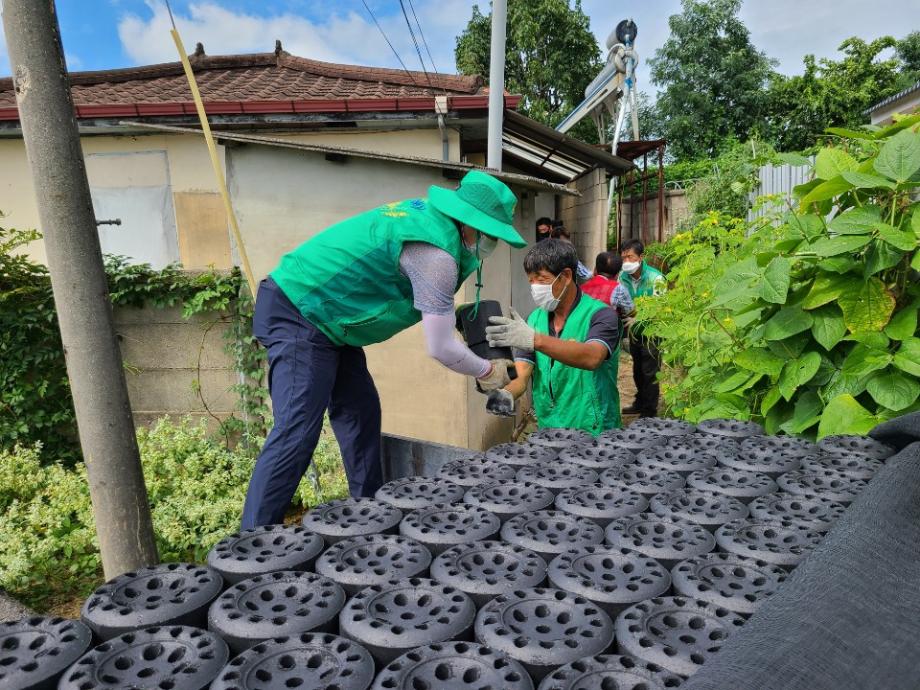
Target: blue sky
(120, 33)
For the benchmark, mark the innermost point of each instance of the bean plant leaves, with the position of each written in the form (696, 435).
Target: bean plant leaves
(772, 397)
(905, 241)
(864, 360)
(842, 383)
(849, 133)
(776, 278)
(832, 162)
(826, 190)
(844, 415)
(826, 288)
(733, 382)
(798, 372)
(786, 322)
(915, 222)
(893, 390)
(856, 221)
(864, 181)
(903, 325)
(899, 157)
(760, 361)
(907, 358)
(805, 225)
(838, 264)
(807, 413)
(789, 348)
(839, 244)
(867, 309)
(828, 327)
(880, 257)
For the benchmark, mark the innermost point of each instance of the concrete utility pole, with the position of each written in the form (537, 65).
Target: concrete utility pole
(497, 83)
(81, 295)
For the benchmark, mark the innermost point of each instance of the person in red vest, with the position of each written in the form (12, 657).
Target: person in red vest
(604, 286)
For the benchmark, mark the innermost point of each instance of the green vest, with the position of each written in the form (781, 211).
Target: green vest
(346, 280)
(569, 397)
(647, 280)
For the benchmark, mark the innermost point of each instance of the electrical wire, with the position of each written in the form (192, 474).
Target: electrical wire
(385, 38)
(434, 67)
(418, 50)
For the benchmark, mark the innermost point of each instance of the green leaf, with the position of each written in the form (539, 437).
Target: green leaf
(798, 372)
(899, 158)
(807, 413)
(848, 133)
(915, 222)
(864, 360)
(907, 358)
(794, 159)
(789, 348)
(825, 288)
(856, 221)
(868, 308)
(787, 322)
(874, 340)
(733, 382)
(826, 190)
(905, 241)
(915, 262)
(864, 181)
(805, 224)
(842, 383)
(772, 397)
(775, 285)
(839, 244)
(838, 264)
(760, 361)
(881, 256)
(893, 390)
(844, 415)
(903, 325)
(828, 327)
(831, 162)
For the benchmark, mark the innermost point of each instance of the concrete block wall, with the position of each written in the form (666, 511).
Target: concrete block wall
(585, 216)
(176, 366)
(643, 223)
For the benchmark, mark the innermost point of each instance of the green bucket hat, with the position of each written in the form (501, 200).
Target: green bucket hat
(483, 203)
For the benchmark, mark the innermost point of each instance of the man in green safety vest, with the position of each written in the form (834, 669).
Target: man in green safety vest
(360, 282)
(641, 280)
(569, 347)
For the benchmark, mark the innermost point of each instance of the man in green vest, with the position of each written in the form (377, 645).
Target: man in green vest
(360, 282)
(641, 280)
(569, 347)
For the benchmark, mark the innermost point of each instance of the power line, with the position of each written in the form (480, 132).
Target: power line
(418, 50)
(382, 33)
(434, 67)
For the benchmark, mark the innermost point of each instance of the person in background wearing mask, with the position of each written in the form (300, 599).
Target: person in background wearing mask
(582, 272)
(544, 228)
(568, 347)
(360, 282)
(641, 280)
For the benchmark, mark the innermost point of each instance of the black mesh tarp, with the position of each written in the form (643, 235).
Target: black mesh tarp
(849, 617)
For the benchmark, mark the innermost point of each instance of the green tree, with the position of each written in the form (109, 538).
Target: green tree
(712, 78)
(830, 93)
(551, 56)
(908, 52)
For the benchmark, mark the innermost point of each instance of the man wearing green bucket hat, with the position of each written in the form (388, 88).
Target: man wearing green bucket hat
(360, 282)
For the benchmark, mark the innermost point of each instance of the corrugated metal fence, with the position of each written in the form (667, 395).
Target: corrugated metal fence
(778, 179)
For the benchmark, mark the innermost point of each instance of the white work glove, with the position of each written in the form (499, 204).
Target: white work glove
(510, 332)
(497, 376)
(500, 403)
(629, 321)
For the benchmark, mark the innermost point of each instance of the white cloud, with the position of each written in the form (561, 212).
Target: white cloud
(345, 37)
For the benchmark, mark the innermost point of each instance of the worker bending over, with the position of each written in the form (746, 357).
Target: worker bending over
(360, 282)
(569, 347)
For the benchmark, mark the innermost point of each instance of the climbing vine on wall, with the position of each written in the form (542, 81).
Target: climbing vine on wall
(35, 402)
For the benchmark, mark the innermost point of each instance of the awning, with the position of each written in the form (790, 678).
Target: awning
(633, 149)
(541, 150)
(341, 152)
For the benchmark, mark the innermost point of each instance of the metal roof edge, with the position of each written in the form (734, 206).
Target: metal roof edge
(891, 99)
(526, 181)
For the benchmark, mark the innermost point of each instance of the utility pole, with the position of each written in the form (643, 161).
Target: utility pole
(497, 83)
(81, 295)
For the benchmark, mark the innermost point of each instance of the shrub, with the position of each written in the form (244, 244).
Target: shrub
(196, 487)
(807, 323)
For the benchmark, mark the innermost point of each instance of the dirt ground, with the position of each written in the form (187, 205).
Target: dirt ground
(627, 386)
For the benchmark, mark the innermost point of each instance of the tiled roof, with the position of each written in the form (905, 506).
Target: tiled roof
(262, 77)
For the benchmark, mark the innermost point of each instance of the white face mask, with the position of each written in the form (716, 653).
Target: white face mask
(485, 245)
(631, 266)
(543, 295)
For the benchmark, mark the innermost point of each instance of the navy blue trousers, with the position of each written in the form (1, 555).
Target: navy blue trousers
(308, 374)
